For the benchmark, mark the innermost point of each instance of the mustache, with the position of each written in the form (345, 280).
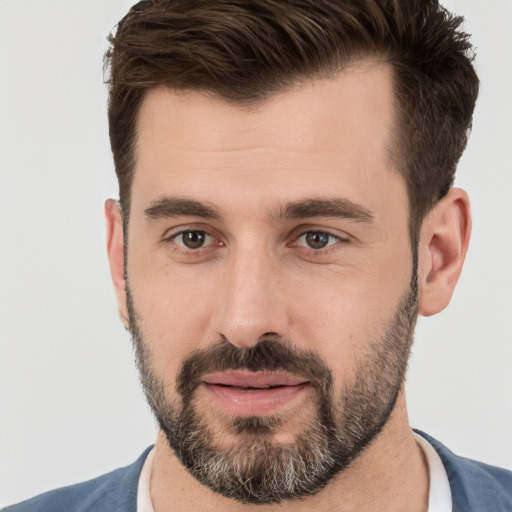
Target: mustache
(274, 354)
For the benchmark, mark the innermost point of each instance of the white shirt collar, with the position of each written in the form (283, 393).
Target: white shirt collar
(440, 495)
(143, 494)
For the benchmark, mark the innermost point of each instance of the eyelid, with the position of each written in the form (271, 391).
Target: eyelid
(303, 230)
(170, 235)
(207, 244)
(184, 228)
(341, 239)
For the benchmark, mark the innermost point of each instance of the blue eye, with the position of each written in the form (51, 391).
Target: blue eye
(317, 240)
(193, 239)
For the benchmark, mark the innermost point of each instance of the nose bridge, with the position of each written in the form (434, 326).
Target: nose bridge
(250, 307)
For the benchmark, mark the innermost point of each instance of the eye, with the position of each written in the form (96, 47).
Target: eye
(193, 239)
(316, 240)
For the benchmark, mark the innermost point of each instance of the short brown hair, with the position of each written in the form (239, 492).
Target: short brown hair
(245, 50)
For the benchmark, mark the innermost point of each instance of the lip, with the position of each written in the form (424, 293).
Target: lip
(253, 393)
(245, 379)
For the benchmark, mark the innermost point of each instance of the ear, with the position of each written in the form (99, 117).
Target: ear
(115, 250)
(444, 241)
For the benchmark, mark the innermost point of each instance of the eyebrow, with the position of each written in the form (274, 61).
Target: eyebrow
(169, 207)
(335, 207)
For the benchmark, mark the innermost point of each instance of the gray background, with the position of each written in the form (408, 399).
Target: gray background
(70, 405)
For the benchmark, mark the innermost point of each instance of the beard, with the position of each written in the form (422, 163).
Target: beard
(336, 429)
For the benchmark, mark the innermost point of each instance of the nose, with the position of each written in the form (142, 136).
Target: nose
(250, 305)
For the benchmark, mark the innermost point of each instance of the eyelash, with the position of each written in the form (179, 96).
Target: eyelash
(185, 250)
(335, 239)
(308, 250)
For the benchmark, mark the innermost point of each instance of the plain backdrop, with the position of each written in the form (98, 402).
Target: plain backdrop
(70, 404)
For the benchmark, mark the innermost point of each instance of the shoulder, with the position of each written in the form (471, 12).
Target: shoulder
(113, 491)
(474, 485)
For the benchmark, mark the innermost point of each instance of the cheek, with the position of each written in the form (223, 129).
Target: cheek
(335, 325)
(340, 317)
(174, 310)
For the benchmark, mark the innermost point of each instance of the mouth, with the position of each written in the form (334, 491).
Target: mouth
(243, 393)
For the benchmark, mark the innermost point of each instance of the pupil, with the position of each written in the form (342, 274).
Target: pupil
(193, 239)
(317, 240)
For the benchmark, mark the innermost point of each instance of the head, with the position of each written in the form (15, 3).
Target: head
(249, 51)
(284, 173)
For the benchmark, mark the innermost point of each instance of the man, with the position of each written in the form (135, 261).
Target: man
(286, 211)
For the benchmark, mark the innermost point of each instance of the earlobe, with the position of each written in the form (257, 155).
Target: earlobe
(443, 246)
(115, 251)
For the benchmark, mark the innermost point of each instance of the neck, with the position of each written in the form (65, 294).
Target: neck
(391, 474)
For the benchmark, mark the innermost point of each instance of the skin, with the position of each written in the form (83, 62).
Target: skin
(256, 275)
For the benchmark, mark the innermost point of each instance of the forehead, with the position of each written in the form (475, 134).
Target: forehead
(327, 131)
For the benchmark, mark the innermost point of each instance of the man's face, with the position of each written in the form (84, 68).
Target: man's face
(270, 279)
